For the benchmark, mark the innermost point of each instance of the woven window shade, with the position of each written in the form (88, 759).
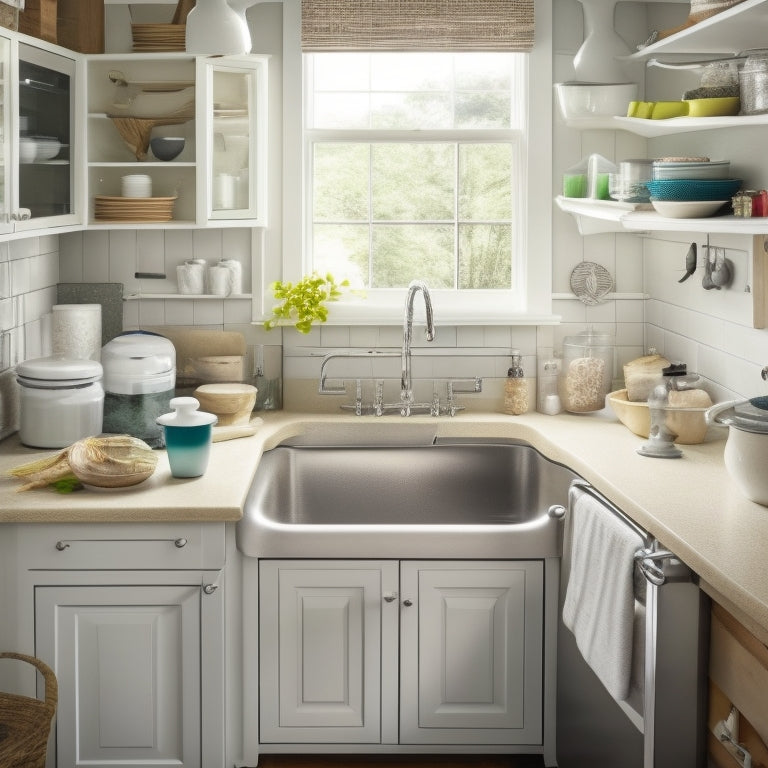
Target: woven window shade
(417, 25)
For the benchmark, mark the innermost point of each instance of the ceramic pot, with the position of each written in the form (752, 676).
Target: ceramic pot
(214, 27)
(746, 449)
(595, 61)
(240, 7)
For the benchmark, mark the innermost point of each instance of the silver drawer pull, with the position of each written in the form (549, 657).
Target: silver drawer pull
(62, 545)
(209, 589)
(390, 597)
(407, 603)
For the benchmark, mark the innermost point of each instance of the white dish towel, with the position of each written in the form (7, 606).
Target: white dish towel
(599, 603)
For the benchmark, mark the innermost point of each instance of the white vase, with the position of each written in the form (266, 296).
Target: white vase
(595, 61)
(240, 7)
(214, 27)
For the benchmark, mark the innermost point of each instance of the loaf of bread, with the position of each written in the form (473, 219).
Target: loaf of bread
(641, 374)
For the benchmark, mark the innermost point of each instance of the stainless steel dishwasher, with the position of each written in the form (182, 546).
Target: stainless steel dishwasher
(595, 730)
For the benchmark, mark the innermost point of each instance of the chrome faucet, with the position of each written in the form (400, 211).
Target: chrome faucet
(406, 389)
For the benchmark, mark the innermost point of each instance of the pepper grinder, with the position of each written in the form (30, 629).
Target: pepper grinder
(515, 388)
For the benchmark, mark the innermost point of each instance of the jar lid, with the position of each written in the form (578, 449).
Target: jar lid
(58, 370)
(138, 353)
(185, 414)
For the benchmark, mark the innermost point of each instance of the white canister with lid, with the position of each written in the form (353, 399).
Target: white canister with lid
(62, 401)
(139, 380)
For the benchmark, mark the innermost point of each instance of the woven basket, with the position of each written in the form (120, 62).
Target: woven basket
(25, 723)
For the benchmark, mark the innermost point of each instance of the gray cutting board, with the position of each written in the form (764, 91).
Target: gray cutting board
(109, 295)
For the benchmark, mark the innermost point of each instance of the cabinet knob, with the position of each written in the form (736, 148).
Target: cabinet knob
(179, 543)
(407, 603)
(390, 597)
(62, 545)
(209, 589)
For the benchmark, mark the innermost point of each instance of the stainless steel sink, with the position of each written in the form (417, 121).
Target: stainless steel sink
(430, 496)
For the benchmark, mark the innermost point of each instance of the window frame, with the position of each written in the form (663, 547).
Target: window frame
(486, 307)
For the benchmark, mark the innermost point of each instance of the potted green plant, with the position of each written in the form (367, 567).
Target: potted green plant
(304, 302)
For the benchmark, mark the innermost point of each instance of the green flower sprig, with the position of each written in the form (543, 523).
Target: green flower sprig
(303, 303)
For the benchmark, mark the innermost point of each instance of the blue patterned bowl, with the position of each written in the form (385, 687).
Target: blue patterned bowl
(693, 189)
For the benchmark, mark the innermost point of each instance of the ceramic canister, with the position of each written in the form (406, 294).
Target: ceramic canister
(61, 401)
(188, 434)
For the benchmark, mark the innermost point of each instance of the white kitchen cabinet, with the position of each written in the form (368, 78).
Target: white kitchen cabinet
(131, 620)
(462, 640)
(322, 645)
(128, 666)
(40, 182)
(471, 652)
(216, 104)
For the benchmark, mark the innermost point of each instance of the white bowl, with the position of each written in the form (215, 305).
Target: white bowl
(579, 100)
(47, 147)
(27, 150)
(688, 209)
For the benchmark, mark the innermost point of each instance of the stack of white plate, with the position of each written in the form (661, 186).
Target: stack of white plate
(690, 169)
(136, 185)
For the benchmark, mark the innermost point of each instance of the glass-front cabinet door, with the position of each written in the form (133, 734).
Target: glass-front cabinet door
(44, 192)
(231, 126)
(6, 134)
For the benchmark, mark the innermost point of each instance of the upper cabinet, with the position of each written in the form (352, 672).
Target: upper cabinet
(39, 182)
(212, 173)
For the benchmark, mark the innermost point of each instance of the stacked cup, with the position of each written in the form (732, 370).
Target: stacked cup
(136, 185)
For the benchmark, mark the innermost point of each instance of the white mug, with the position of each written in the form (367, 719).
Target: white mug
(219, 281)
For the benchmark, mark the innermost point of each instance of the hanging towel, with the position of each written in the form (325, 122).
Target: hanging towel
(599, 603)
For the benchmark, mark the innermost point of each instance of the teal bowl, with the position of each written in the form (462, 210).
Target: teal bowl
(693, 189)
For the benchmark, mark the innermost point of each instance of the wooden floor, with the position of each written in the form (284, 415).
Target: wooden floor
(401, 761)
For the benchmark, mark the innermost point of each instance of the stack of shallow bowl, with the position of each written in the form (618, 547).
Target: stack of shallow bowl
(690, 187)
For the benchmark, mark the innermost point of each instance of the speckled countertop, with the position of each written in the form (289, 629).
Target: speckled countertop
(690, 504)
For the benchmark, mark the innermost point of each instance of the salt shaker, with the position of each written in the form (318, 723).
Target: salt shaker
(515, 388)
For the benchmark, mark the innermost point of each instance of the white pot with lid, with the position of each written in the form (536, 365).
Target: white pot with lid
(746, 449)
(61, 401)
(139, 381)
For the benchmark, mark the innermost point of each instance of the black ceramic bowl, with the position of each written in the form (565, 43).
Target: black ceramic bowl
(167, 147)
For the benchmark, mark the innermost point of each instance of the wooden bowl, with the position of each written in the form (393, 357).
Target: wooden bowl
(232, 403)
(689, 424)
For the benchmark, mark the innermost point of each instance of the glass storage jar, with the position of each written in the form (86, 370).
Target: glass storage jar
(587, 371)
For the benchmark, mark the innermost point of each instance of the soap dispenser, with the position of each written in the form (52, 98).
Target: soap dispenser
(515, 388)
(661, 439)
(188, 436)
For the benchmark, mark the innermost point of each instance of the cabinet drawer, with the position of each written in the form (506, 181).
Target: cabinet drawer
(118, 546)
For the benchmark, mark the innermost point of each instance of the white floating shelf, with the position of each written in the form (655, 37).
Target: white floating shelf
(735, 29)
(601, 216)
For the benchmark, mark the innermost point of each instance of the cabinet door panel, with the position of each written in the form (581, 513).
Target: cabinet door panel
(128, 664)
(321, 652)
(472, 653)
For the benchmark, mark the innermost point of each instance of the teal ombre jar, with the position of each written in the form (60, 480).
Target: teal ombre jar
(187, 437)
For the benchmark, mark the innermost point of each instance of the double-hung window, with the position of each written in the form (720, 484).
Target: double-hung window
(416, 165)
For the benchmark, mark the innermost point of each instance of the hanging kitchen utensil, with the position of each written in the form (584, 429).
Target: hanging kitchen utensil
(706, 282)
(690, 263)
(722, 272)
(591, 282)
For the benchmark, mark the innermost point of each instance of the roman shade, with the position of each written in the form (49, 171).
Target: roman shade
(417, 25)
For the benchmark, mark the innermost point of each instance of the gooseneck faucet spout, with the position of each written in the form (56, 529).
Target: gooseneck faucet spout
(406, 389)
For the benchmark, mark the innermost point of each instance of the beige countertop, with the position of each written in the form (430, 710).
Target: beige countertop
(690, 504)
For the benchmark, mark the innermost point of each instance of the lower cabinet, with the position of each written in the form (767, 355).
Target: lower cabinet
(408, 652)
(131, 619)
(128, 666)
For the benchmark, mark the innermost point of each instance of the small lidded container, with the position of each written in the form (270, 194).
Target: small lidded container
(61, 402)
(188, 434)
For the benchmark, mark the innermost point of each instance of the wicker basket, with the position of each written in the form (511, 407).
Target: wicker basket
(25, 723)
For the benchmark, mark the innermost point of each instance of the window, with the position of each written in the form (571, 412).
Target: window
(414, 168)
(387, 187)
